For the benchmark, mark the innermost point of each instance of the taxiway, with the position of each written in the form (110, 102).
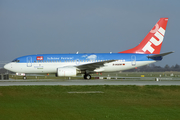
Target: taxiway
(84, 82)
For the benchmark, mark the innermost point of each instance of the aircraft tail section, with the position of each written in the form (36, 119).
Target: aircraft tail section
(151, 44)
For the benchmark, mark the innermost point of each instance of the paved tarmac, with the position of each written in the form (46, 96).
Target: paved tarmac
(85, 82)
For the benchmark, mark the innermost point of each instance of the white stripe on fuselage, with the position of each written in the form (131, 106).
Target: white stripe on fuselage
(52, 67)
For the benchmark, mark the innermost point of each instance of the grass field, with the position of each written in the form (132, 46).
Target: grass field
(110, 102)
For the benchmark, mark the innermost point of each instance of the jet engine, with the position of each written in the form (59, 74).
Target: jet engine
(66, 71)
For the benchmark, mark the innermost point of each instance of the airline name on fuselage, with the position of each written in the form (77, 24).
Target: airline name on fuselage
(57, 58)
(66, 58)
(52, 58)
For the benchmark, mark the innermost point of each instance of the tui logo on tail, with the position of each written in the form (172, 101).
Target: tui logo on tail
(156, 40)
(151, 44)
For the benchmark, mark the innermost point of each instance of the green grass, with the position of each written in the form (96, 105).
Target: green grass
(117, 102)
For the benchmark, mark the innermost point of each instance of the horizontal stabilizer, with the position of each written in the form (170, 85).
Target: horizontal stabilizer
(159, 56)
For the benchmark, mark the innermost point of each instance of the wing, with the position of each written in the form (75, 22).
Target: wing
(93, 66)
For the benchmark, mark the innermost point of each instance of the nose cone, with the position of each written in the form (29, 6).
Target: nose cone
(7, 66)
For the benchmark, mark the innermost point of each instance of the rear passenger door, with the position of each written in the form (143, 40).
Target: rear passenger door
(29, 61)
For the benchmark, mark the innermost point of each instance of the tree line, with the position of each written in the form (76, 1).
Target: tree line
(154, 68)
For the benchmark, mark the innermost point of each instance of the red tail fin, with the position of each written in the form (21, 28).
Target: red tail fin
(151, 44)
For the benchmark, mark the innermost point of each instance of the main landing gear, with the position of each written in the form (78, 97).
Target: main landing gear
(87, 76)
(24, 77)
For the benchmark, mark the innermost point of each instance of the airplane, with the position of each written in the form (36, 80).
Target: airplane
(147, 52)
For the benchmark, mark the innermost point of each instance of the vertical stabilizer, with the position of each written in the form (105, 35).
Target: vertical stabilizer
(151, 44)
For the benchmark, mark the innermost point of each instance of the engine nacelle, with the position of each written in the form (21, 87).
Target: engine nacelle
(66, 71)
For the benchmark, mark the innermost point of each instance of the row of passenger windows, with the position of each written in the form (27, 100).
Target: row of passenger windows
(50, 61)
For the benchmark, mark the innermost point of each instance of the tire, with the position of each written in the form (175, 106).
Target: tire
(24, 77)
(87, 77)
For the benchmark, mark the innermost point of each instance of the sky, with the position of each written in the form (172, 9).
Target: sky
(88, 26)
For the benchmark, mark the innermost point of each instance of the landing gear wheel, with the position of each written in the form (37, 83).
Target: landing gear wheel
(88, 77)
(24, 77)
(84, 76)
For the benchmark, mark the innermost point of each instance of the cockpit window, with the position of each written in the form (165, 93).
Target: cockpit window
(16, 60)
